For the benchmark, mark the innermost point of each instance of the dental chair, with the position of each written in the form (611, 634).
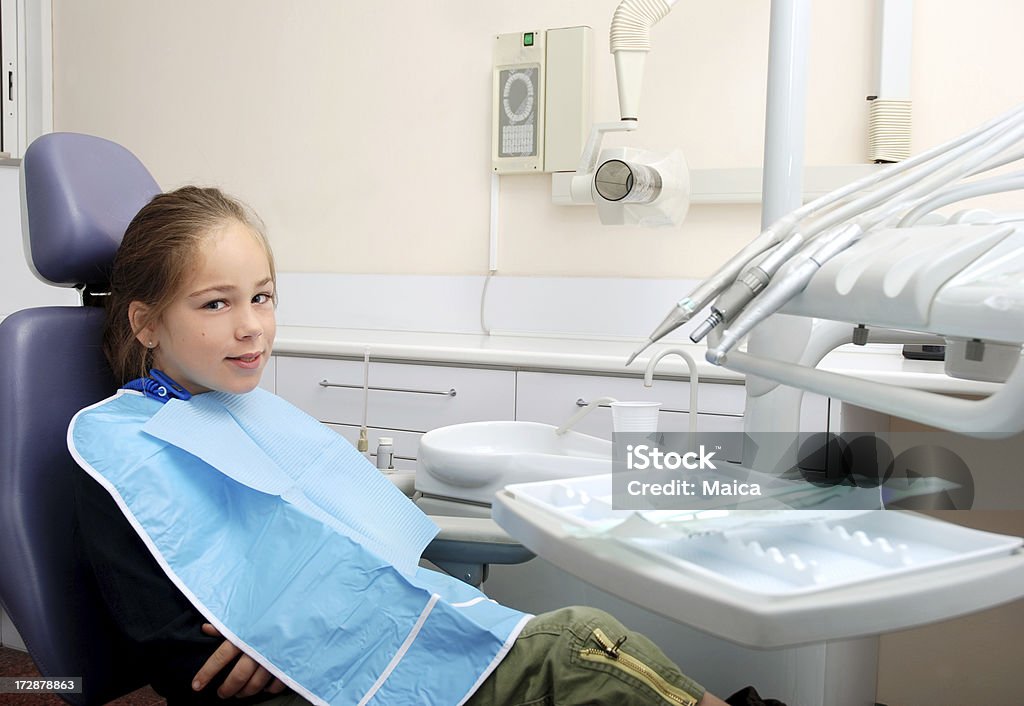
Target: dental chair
(79, 194)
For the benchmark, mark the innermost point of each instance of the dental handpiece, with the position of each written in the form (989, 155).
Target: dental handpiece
(748, 286)
(790, 281)
(682, 312)
(706, 291)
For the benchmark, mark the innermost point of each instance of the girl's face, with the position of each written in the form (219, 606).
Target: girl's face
(218, 332)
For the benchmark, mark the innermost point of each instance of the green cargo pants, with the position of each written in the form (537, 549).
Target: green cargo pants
(577, 656)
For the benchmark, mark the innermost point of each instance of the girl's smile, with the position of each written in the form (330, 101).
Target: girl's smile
(250, 361)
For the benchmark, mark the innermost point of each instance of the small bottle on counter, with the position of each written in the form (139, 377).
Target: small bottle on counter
(386, 453)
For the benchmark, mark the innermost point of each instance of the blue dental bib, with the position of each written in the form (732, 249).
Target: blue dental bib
(299, 551)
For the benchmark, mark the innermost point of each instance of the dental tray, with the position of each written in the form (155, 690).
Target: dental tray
(771, 555)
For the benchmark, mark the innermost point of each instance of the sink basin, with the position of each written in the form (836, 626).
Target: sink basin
(471, 462)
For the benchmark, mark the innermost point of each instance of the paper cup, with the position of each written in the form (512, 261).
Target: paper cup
(635, 416)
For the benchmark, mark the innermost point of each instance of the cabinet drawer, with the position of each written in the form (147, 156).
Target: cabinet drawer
(553, 398)
(408, 397)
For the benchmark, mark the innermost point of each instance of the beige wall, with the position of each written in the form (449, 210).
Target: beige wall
(360, 131)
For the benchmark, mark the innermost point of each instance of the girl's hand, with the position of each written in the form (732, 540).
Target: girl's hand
(246, 678)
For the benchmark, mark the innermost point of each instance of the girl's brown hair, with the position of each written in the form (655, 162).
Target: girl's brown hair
(156, 255)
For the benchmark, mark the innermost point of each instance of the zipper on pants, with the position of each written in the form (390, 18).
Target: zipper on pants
(611, 654)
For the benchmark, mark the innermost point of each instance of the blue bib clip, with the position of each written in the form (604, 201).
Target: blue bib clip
(158, 386)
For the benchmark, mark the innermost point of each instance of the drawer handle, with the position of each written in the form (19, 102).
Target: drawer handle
(446, 393)
(583, 403)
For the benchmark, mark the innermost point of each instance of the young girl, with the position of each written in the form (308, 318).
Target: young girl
(191, 320)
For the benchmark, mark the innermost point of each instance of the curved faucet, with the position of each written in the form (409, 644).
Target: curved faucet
(691, 365)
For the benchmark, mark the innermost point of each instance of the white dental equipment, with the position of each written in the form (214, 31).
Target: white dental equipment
(628, 185)
(857, 255)
(829, 632)
(902, 190)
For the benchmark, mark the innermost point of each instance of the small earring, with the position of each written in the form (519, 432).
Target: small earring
(150, 344)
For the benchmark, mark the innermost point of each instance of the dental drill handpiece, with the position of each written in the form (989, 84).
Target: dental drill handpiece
(707, 290)
(742, 292)
(733, 300)
(791, 280)
(682, 312)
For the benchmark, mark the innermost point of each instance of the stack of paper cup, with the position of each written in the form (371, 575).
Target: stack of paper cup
(635, 416)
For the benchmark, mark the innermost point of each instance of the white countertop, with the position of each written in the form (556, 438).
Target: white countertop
(604, 356)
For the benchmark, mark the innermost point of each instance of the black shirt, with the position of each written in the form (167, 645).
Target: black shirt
(144, 603)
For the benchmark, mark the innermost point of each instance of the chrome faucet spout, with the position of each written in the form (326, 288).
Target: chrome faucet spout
(583, 411)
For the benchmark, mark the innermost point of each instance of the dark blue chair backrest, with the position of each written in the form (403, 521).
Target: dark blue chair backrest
(79, 193)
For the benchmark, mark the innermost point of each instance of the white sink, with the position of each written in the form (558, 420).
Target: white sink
(471, 462)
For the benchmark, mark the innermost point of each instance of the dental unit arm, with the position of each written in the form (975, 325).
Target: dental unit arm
(859, 255)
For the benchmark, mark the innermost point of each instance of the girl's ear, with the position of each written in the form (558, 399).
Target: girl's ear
(142, 327)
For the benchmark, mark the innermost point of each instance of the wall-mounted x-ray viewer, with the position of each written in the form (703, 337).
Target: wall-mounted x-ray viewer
(541, 103)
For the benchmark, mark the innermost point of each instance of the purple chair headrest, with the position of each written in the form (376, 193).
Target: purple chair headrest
(80, 193)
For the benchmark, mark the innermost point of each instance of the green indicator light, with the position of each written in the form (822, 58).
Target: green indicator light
(528, 39)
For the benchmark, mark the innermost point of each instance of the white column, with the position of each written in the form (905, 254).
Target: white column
(770, 407)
